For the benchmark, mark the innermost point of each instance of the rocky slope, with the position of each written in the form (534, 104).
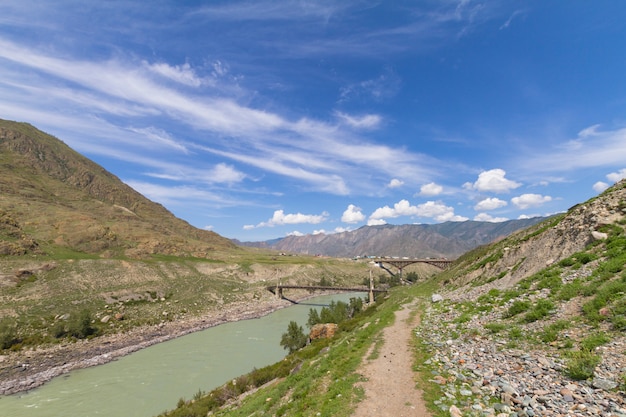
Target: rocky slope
(534, 325)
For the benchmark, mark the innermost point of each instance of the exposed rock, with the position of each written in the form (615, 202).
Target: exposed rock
(323, 330)
(599, 235)
(435, 298)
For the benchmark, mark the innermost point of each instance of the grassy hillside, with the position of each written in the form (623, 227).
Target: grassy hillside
(54, 200)
(532, 325)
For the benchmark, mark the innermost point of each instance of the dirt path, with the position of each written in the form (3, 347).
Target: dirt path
(390, 385)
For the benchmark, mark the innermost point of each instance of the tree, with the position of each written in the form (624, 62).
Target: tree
(411, 276)
(294, 339)
(314, 318)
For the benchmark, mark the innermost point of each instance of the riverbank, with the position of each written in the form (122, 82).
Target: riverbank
(25, 370)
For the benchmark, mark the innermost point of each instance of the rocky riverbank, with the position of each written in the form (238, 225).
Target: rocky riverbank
(25, 370)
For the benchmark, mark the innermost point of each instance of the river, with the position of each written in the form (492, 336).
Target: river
(152, 380)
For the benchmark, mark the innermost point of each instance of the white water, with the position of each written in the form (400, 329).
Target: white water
(152, 380)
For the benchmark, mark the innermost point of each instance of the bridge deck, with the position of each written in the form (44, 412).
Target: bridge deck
(272, 288)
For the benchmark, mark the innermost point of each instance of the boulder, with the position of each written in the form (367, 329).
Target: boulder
(323, 330)
(435, 298)
(599, 235)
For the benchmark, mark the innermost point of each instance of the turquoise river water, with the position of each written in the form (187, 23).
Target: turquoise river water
(152, 380)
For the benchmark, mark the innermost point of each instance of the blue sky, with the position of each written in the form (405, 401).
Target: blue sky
(259, 119)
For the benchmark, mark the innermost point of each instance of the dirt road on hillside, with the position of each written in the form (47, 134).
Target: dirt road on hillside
(390, 381)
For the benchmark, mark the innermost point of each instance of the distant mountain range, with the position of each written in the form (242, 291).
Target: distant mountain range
(449, 239)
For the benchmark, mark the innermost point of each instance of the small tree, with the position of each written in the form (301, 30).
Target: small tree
(411, 276)
(294, 339)
(314, 318)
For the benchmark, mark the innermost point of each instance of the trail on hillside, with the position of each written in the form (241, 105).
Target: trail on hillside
(390, 381)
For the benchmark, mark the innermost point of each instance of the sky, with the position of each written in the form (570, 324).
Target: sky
(261, 119)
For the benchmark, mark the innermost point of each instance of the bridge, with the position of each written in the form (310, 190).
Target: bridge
(278, 289)
(441, 263)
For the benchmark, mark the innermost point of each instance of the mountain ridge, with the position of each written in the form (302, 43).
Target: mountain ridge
(448, 239)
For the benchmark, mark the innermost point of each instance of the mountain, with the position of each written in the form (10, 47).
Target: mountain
(449, 239)
(55, 199)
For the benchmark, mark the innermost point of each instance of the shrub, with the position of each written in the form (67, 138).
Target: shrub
(8, 334)
(517, 307)
(80, 326)
(540, 310)
(593, 341)
(581, 364)
(495, 327)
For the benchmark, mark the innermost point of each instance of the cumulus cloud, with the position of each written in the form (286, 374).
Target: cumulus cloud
(295, 233)
(484, 217)
(490, 204)
(600, 186)
(431, 189)
(395, 183)
(280, 218)
(525, 201)
(617, 176)
(493, 181)
(224, 173)
(352, 214)
(376, 222)
(430, 209)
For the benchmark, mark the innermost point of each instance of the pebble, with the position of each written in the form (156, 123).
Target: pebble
(484, 376)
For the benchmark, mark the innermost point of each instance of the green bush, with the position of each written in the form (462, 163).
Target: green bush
(540, 310)
(517, 307)
(581, 365)
(593, 341)
(80, 326)
(495, 327)
(8, 334)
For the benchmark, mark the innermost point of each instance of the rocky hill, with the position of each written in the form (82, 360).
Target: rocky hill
(449, 239)
(55, 199)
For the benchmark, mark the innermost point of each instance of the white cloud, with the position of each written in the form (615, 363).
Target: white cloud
(352, 214)
(525, 201)
(600, 186)
(490, 204)
(493, 181)
(368, 121)
(280, 218)
(617, 176)
(401, 208)
(431, 189)
(395, 183)
(376, 222)
(430, 209)
(224, 173)
(182, 74)
(484, 217)
(592, 147)
(295, 233)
